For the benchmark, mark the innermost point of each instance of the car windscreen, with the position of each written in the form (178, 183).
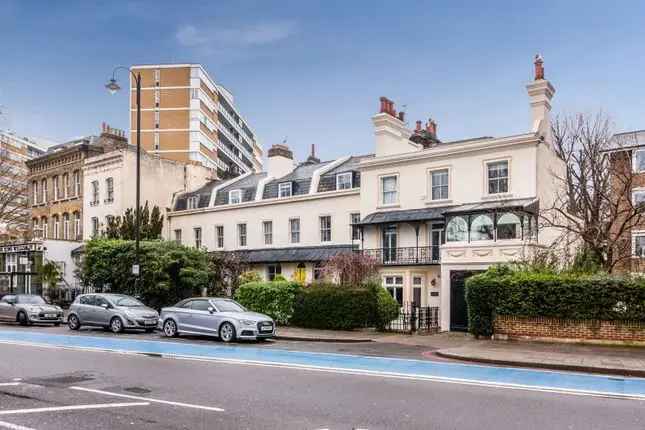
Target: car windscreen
(31, 300)
(228, 306)
(127, 302)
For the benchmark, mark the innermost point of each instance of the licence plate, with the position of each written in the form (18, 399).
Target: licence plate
(50, 315)
(266, 328)
(150, 322)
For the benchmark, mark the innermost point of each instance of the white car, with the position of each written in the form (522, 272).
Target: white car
(28, 309)
(211, 316)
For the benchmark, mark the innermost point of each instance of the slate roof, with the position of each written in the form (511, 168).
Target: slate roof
(248, 185)
(530, 205)
(328, 180)
(204, 194)
(294, 254)
(423, 214)
(439, 212)
(627, 140)
(300, 178)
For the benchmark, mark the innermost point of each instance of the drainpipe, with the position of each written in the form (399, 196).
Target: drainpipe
(416, 230)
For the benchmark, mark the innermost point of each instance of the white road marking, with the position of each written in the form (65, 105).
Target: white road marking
(148, 399)
(10, 426)
(9, 384)
(73, 408)
(340, 370)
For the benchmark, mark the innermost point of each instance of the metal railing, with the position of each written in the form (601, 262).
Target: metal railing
(405, 256)
(413, 318)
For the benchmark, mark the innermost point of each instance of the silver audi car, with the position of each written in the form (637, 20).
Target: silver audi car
(116, 312)
(211, 316)
(29, 309)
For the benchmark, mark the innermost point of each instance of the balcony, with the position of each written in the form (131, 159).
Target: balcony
(405, 256)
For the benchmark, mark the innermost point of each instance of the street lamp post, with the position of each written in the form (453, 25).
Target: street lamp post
(113, 87)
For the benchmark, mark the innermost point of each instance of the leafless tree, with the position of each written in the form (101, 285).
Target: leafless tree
(594, 202)
(14, 212)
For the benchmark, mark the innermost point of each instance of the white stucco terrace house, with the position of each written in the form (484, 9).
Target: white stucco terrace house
(287, 220)
(432, 213)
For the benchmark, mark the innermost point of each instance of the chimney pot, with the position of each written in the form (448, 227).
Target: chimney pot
(402, 116)
(419, 125)
(539, 67)
(384, 106)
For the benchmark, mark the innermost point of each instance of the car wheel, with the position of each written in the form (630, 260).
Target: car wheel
(73, 323)
(116, 325)
(227, 332)
(22, 318)
(170, 328)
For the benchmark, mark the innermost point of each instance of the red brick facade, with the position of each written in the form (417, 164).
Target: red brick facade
(553, 328)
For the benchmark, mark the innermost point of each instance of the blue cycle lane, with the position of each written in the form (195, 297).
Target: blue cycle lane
(575, 383)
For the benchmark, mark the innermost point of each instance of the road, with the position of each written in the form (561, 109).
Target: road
(100, 390)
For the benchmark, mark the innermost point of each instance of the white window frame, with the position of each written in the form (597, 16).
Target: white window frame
(95, 226)
(192, 202)
(156, 140)
(77, 183)
(267, 234)
(95, 193)
(285, 186)
(45, 226)
(177, 232)
(339, 178)
(231, 195)
(634, 157)
(157, 74)
(77, 225)
(43, 184)
(636, 191)
(353, 228)
(635, 234)
(56, 188)
(293, 232)
(219, 238)
(381, 180)
(109, 186)
(66, 226)
(431, 185)
(242, 243)
(65, 184)
(197, 236)
(323, 230)
(34, 186)
(508, 176)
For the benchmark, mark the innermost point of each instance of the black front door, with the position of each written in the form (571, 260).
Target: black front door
(458, 307)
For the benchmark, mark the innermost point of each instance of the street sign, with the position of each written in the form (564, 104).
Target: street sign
(135, 269)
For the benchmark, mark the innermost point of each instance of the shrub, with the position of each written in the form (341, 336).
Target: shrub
(279, 278)
(250, 276)
(387, 309)
(351, 269)
(275, 299)
(567, 296)
(330, 307)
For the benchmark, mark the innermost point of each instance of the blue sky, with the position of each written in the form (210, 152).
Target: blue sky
(312, 71)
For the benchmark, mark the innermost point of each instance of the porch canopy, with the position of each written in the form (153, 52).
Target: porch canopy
(410, 215)
(293, 254)
(438, 213)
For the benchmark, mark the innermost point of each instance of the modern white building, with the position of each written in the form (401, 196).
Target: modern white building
(110, 183)
(432, 213)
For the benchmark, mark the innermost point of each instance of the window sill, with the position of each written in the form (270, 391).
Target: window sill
(390, 206)
(440, 202)
(499, 196)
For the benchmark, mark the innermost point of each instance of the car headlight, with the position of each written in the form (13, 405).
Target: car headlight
(247, 322)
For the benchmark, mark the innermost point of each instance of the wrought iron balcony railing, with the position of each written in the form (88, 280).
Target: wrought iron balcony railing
(405, 256)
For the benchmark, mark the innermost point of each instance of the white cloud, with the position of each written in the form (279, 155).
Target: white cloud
(219, 38)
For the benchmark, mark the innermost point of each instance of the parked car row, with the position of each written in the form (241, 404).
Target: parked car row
(209, 316)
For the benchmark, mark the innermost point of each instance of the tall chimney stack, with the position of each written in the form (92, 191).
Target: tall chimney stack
(540, 93)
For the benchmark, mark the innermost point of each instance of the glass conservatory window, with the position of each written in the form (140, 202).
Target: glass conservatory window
(509, 226)
(457, 230)
(481, 228)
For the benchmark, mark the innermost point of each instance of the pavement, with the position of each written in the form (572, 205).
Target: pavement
(45, 388)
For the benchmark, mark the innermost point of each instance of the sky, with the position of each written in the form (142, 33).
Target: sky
(311, 72)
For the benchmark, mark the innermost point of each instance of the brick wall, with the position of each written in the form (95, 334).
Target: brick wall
(614, 331)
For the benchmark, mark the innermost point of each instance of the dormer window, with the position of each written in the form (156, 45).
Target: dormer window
(234, 197)
(344, 181)
(192, 202)
(284, 189)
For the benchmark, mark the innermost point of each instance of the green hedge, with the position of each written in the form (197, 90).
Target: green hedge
(387, 309)
(334, 307)
(501, 291)
(275, 299)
